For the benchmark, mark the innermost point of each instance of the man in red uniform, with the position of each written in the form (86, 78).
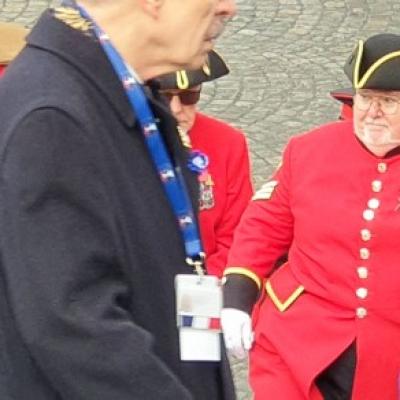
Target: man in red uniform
(225, 186)
(327, 322)
(12, 39)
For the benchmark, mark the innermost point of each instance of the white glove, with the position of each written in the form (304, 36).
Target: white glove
(238, 336)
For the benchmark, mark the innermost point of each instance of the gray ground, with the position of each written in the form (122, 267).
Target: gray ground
(285, 56)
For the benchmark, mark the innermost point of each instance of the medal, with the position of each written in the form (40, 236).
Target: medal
(207, 200)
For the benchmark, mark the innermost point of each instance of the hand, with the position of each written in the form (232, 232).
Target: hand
(236, 327)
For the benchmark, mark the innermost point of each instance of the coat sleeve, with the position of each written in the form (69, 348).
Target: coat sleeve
(238, 194)
(263, 235)
(65, 285)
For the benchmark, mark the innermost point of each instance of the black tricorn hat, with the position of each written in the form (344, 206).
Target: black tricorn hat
(213, 68)
(375, 63)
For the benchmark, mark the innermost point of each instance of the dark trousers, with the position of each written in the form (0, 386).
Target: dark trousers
(336, 381)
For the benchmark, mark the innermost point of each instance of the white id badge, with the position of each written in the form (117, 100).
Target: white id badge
(198, 309)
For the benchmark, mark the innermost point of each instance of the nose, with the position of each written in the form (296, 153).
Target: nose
(175, 105)
(374, 110)
(227, 8)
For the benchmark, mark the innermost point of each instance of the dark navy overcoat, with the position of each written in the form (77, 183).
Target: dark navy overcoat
(89, 244)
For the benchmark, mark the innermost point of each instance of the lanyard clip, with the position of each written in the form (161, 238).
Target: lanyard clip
(197, 263)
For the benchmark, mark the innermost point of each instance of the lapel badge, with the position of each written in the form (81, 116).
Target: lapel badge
(198, 161)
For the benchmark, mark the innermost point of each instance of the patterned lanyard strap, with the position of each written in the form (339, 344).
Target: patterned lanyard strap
(171, 177)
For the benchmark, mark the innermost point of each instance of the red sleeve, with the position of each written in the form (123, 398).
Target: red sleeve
(266, 229)
(239, 192)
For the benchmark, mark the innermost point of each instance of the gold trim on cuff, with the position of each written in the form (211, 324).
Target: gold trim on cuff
(245, 272)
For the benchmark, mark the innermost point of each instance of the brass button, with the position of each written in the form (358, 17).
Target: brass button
(373, 203)
(362, 272)
(368, 214)
(362, 293)
(361, 312)
(365, 235)
(364, 253)
(382, 167)
(376, 186)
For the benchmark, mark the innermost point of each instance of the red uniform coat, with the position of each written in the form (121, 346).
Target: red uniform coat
(336, 208)
(225, 189)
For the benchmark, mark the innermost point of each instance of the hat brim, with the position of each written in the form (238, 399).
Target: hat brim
(344, 95)
(186, 79)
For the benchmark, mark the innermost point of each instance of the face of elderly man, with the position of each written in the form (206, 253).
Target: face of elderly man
(160, 36)
(377, 119)
(192, 26)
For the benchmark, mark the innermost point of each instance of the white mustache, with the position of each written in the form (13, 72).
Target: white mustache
(384, 140)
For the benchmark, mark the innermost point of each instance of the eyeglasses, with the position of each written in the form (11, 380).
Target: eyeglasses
(387, 104)
(186, 97)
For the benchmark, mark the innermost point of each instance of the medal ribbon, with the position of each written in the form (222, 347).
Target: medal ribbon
(171, 177)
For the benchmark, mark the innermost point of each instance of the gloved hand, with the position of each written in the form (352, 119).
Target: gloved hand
(236, 327)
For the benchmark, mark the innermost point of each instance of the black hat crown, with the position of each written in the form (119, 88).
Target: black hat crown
(375, 63)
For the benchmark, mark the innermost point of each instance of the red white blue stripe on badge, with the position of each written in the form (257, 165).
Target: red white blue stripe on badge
(199, 322)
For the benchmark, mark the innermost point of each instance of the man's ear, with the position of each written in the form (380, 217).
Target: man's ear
(152, 7)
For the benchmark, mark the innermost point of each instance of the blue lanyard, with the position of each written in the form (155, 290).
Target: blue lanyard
(171, 178)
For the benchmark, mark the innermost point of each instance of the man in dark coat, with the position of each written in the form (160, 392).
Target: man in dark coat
(90, 246)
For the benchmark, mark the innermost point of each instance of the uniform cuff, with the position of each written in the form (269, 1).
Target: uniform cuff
(240, 292)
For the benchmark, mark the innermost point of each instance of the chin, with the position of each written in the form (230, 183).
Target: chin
(193, 61)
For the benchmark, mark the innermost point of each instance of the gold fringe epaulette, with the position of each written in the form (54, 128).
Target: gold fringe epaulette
(72, 18)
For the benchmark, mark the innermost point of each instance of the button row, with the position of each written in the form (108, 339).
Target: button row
(368, 215)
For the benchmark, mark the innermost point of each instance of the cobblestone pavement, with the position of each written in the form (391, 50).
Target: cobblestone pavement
(285, 56)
